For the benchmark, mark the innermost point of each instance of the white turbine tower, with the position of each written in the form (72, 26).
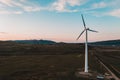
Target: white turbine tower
(86, 43)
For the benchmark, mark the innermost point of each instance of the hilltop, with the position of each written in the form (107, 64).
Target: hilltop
(107, 43)
(35, 41)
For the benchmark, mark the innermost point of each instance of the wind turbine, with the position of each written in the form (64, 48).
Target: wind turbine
(86, 42)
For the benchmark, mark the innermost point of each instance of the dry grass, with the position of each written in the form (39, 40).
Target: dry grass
(40, 65)
(50, 62)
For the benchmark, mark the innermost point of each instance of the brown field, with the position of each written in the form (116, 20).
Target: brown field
(51, 62)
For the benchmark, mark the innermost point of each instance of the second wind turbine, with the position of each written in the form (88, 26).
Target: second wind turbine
(86, 42)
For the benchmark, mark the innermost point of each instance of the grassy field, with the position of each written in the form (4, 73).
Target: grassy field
(43, 67)
(40, 62)
(49, 62)
(40, 66)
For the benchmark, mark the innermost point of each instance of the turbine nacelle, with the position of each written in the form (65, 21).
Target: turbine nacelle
(86, 29)
(91, 30)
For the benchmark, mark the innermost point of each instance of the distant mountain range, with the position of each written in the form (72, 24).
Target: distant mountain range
(35, 41)
(107, 43)
(100, 43)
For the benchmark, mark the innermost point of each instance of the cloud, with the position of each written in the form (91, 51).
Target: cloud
(22, 6)
(23, 0)
(29, 6)
(6, 2)
(31, 9)
(19, 6)
(10, 12)
(3, 33)
(61, 5)
(104, 8)
(85, 6)
(95, 6)
(99, 5)
(115, 12)
(11, 3)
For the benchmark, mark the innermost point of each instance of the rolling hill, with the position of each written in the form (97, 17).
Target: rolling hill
(35, 41)
(107, 43)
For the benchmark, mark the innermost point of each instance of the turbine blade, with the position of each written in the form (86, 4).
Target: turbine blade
(83, 21)
(92, 30)
(80, 34)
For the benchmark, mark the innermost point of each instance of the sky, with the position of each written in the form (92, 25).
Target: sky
(59, 20)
